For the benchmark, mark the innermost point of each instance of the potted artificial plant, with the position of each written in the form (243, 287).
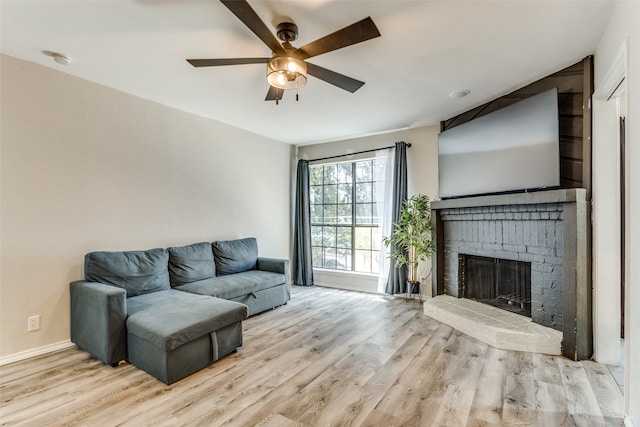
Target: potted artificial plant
(412, 237)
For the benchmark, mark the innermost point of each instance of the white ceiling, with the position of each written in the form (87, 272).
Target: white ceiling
(428, 49)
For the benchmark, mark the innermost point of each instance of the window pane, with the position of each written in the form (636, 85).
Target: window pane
(315, 194)
(343, 259)
(315, 175)
(344, 214)
(363, 213)
(376, 216)
(364, 192)
(375, 261)
(344, 173)
(344, 193)
(343, 237)
(376, 238)
(363, 238)
(330, 214)
(330, 258)
(330, 194)
(316, 235)
(379, 166)
(329, 236)
(317, 257)
(316, 214)
(363, 261)
(330, 174)
(363, 171)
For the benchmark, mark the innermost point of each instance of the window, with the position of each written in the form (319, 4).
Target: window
(346, 215)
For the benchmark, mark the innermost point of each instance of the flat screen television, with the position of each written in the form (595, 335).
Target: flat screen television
(512, 149)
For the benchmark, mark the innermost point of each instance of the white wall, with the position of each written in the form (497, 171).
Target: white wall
(624, 25)
(85, 168)
(422, 178)
(606, 215)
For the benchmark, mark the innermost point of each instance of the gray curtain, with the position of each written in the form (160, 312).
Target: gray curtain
(302, 267)
(398, 276)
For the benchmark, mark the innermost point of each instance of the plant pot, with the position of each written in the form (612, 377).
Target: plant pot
(413, 288)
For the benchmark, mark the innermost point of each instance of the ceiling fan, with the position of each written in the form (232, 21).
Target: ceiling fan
(287, 67)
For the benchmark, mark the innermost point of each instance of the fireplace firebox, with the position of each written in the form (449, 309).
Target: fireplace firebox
(502, 283)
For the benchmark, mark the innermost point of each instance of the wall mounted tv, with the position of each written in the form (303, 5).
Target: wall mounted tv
(512, 149)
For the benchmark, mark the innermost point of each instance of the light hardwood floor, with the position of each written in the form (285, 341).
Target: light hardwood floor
(328, 358)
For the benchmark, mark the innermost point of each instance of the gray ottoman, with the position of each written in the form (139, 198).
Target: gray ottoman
(182, 334)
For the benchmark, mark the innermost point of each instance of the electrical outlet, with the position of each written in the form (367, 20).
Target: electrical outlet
(33, 323)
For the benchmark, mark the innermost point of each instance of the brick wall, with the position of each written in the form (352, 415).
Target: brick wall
(531, 233)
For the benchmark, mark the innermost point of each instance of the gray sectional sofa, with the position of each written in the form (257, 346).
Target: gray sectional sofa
(173, 311)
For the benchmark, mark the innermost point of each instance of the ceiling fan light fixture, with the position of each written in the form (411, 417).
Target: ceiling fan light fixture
(285, 72)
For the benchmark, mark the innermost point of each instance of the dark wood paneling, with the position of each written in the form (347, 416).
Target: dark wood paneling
(566, 83)
(568, 183)
(570, 104)
(571, 148)
(586, 124)
(571, 169)
(571, 126)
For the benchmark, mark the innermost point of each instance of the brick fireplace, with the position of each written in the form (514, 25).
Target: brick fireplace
(545, 231)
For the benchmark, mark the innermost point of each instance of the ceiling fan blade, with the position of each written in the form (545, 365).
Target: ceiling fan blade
(344, 82)
(226, 61)
(250, 18)
(355, 33)
(274, 93)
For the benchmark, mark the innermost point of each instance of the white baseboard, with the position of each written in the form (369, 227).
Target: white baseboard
(345, 287)
(345, 280)
(23, 355)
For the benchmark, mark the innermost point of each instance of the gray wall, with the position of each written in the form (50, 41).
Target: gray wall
(85, 167)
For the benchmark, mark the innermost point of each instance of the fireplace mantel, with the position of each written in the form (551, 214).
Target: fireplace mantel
(568, 195)
(502, 224)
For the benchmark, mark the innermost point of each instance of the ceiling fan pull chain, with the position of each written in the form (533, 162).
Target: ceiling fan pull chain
(297, 98)
(277, 100)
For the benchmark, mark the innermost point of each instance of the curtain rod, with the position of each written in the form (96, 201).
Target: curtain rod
(356, 153)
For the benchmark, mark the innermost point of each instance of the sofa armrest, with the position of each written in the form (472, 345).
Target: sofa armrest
(98, 320)
(277, 265)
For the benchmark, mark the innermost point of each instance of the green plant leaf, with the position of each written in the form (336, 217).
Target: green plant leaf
(411, 234)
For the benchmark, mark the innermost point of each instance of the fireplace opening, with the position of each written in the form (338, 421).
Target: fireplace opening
(502, 283)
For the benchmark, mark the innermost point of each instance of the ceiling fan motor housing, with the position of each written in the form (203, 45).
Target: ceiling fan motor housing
(287, 31)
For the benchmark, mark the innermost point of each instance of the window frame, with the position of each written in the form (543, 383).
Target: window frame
(372, 252)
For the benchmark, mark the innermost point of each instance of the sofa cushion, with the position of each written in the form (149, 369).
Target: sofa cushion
(191, 263)
(235, 256)
(171, 318)
(138, 272)
(235, 285)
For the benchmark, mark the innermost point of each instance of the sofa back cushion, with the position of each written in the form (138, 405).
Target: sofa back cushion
(235, 256)
(191, 263)
(138, 272)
